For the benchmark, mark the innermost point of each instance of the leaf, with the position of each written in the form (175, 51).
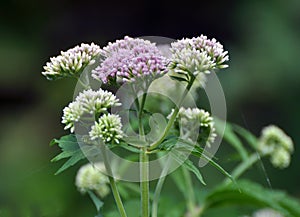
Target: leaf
(250, 193)
(231, 138)
(198, 152)
(178, 78)
(214, 164)
(70, 149)
(186, 163)
(135, 141)
(97, 202)
(129, 147)
(248, 136)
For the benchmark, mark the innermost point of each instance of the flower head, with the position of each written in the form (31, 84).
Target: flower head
(71, 115)
(191, 57)
(97, 101)
(88, 102)
(189, 119)
(89, 178)
(71, 63)
(128, 59)
(108, 129)
(275, 143)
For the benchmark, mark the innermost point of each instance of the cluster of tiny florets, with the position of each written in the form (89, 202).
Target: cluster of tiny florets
(190, 119)
(275, 143)
(71, 115)
(197, 55)
(95, 102)
(88, 102)
(128, 59)
(90, 178)
(108, 129)
(71, 63)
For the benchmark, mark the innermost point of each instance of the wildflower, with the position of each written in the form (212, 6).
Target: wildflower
(108, 129)
(95, 102)
(280, 158)
(71, 115)
(89, 178)
(190, 119)
(71, 62)
(275, 143)
(128, 59)
(88, 102)
(200, 55)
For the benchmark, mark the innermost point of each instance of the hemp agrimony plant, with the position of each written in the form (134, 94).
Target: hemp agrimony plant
(134, 121)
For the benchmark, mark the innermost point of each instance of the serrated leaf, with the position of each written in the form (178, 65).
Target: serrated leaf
(70, 149)
(231, 138)
(71, 162)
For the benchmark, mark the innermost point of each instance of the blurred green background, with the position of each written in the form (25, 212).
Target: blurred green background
(262, 85)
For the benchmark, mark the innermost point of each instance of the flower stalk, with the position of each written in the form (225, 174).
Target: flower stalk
(144, 166)
(173, 117)
(113, 184)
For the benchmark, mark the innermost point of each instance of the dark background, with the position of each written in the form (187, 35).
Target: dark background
(261, 85)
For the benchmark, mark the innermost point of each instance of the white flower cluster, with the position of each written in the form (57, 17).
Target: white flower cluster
(71, 62)
(94, 105)
(89, 178)
(190, 119)
(108, 129)
(191, 57)
(275, 143)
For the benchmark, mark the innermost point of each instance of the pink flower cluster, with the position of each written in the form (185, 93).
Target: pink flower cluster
(129, 58)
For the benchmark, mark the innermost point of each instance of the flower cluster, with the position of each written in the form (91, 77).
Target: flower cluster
(71, 62)
(128, 59)
(275, 143)
(89, 178)
(108, 129)
(90, 102)
(94, 105)
(191, 57)
(191, 119)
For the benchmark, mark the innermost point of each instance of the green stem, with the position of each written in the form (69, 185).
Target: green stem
(113, 184)
(144, 170)
(159, 188)
(242, 167)
(144, 166)
(191, 196)
(173, 117)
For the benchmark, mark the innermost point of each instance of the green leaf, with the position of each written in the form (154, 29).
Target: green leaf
(129, 147)
(199, 152)
(178, 78)
(250, 193)
(97, 202)
(231, 138)
(70, 149)
(248, 136)
(186, 163)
